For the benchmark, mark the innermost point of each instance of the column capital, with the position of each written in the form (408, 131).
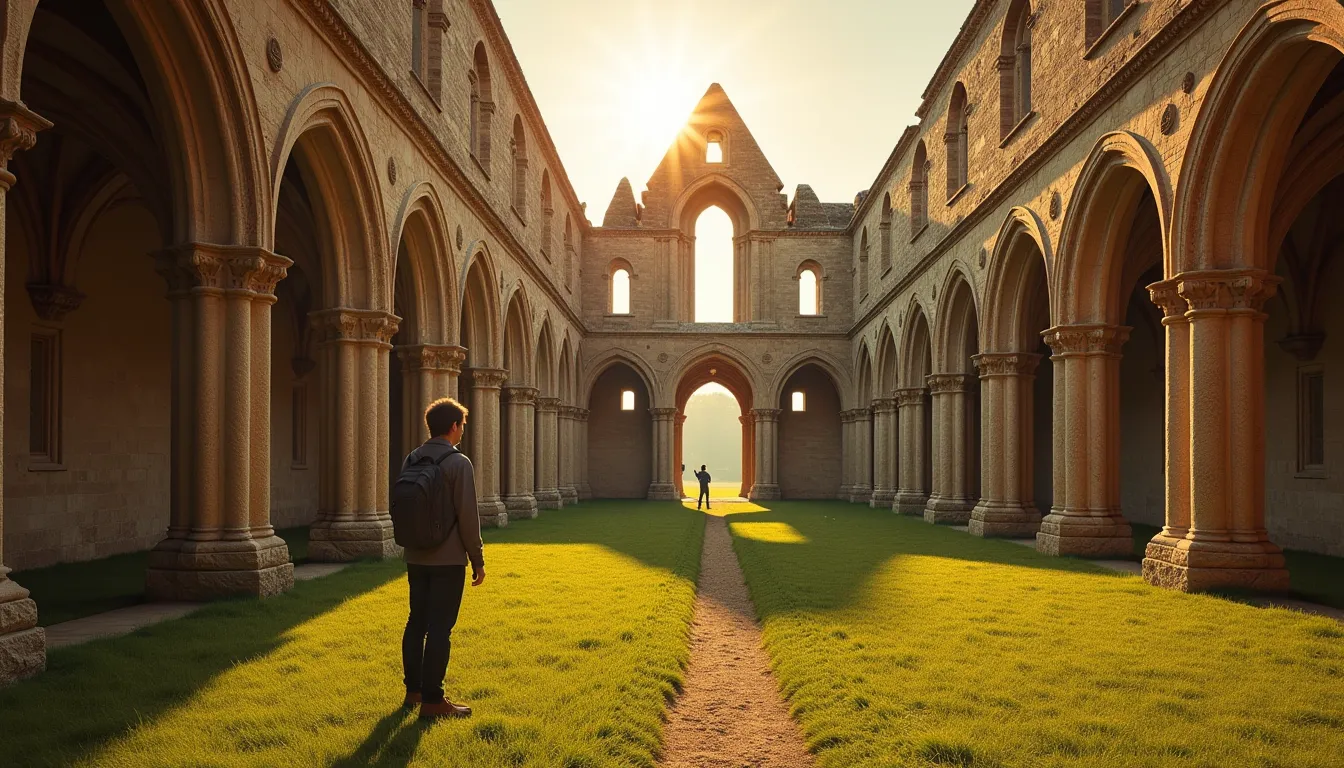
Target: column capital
(19, 127)
(1009, 364)
(53, 302)
(581, 414)
(766, 414)
(207, 267)
(1167, 296)
(886, 404)
(1087, 339)
(523, 395)
(432, 357)
(548, 404)
(356, 325)
(663, 414)
(906, 397)
(1243, 290)
(488, 378)
(940, 383)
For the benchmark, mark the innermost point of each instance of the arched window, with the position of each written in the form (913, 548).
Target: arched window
(863, 265)
(958, 143)
(547, 211)
(1015, 68)
(482, 108)
(885, 232)
(619, 275)
(519, 149)
(569, 253)
(714, 147)
(715, 275)
(919, 190)
(809, 288)
(1100, 15)
(428, 23)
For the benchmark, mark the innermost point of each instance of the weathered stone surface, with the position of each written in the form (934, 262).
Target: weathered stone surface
(22, 654)
(191, 586)
(17, 615)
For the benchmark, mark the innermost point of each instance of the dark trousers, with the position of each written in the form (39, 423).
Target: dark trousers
(704, 496)
(436, 597)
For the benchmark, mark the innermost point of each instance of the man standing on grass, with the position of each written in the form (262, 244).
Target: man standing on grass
(703, 477)
(436, 575)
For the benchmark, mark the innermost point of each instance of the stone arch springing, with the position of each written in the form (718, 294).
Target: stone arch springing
(919, 190)
(482, 107)
(1015, 68)
(957, 141)
(518, 150)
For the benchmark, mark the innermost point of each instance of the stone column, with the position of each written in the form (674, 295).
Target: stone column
(748, 422)
(569, 492)
(1086, 518)
(1160, 552)
(951, 502)
(1226, 545)
(912, 494)
(23, 644)
(484, 424)
(846, 454)
(547, 490)
(518, 499)
(863, 470)
(429, 372)
(353, 521)
(766, 487)
(581, 453)
(1007, 508)
(662, 488)
(885, 452)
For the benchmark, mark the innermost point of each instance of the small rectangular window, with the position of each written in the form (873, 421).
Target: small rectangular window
(799, 402)
(44, 397)
(627, 400)
(1311, 420)
(298, 426)
(714, 152)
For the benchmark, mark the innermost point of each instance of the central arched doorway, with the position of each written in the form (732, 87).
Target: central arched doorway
(716, 373)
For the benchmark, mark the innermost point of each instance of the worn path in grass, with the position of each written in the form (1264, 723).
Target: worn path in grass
(730, 714)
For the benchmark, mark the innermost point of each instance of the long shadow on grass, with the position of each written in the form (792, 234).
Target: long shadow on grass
(391, 744)
(94, 693)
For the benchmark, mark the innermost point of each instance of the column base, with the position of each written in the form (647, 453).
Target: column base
(909, 503)
(520, 507)
(664, 492)
(342, 541)
(861, 494)
(999, 520)
(585, 492)
(881, 498)
(492, 512)
(764, 492)
(185, 570)
(947, 510)
(569, 495)
(1099, 536)
(549, 498)
(1200, 565)
(845, 492)
(23, 644)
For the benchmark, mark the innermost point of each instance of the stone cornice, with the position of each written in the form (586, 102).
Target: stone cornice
(333, 27)
(950, 65)
(906, 141)
(1158, 47)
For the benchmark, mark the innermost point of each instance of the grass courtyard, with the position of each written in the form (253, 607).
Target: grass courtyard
(896, 643)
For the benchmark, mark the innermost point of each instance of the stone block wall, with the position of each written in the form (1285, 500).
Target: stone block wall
(620, 458)
(810, 450)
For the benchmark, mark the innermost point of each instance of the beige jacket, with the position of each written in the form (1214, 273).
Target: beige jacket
(464, 544)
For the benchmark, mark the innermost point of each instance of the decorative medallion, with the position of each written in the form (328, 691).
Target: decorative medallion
(1054, 205)
(392, 170)
(459, 237)
(983, 256)
(1170, 115)
(767, 358)
(662, 357)
(274, 56)
(1188, 83)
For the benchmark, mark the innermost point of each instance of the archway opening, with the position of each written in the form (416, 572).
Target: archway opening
(714, 267)
(620, 434)
(722, 411)
(810, 450)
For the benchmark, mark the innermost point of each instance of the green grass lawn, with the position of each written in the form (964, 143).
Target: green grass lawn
(899, 643)
(569, 653)
(75, 590)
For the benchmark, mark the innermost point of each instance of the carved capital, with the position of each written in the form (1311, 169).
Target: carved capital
(53, 302)
(663, 414)
(548, 404)
(1168, 298)
(1090, 339)
(766, 414)
(488, 378)
(908, 397)
(943, 383)
(886, 405)
(520, 395)
(1244, 290)
(581, 414)
(189, 267)
(1013, 364)
(255, 270)
(208, 267)
(356, 325)
(432, 357)
(19, 127)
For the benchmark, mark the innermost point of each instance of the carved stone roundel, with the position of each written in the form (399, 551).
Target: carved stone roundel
(767, 358)
(662, 357)
(1170, 115)
(458, 237)
(1188, 83)
(274, 57)
(392, 170)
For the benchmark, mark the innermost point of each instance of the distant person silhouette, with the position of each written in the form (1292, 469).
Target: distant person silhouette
(703, 477)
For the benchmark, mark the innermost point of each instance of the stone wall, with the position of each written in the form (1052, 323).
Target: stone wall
(809, 441)
(620, 460)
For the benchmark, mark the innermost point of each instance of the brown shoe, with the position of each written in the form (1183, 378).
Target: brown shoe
(434, 710)
(412, 700)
